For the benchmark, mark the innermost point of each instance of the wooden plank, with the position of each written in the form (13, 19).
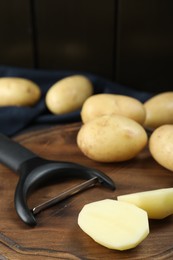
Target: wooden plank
(145, 40)
(76, 35)
(57, 234)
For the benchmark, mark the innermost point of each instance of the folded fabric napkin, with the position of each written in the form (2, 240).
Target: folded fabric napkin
(15, 119)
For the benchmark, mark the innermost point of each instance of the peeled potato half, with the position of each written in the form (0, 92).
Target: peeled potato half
(157, 203)
(114, 224)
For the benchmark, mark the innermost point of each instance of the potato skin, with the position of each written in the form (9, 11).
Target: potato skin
(16, 91)
(159, 110)
(111, 138)
(161, 146)
(68, 94)
(107, 104)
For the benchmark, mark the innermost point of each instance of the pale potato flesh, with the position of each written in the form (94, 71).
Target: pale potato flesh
(114, 224)
(157, 203)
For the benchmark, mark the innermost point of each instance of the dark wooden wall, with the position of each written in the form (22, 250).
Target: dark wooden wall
(128, 41)
(145, 44)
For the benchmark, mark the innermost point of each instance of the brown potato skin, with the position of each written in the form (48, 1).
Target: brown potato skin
(18, 92)
(161, 146)
(68, 94)
(108, 104)
(111, 138)
(159, 110)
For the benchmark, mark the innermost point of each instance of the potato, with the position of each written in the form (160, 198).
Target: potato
(157, 203)
(18, 92)
(68, 94)
(159, 110)
(114, 224)
(161, 146)
(111, 138)
(105, 104)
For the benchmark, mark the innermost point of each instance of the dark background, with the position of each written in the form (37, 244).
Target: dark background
(127, 41)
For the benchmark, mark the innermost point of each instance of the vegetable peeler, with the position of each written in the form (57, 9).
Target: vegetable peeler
(35, 171)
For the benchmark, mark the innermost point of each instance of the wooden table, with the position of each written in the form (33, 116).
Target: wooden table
(57, 235)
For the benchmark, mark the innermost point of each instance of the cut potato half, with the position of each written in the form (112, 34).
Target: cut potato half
(114, 224)
(157, 203)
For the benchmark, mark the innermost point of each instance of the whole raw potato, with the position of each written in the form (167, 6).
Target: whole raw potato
(68, 94)
(111, 138)
(161, 146)
(159, 110)
(107, 104)
(18, 92)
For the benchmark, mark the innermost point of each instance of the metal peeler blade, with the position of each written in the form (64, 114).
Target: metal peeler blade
(66, 194)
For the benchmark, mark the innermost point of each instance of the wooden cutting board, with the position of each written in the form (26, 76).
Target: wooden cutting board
(57, 235)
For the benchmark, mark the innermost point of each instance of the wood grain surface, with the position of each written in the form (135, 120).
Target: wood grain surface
(57, 235)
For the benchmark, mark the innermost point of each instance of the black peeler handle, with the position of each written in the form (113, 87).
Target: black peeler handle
(12, 154)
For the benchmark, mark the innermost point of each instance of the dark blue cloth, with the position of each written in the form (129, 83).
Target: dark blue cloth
(15, 119)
